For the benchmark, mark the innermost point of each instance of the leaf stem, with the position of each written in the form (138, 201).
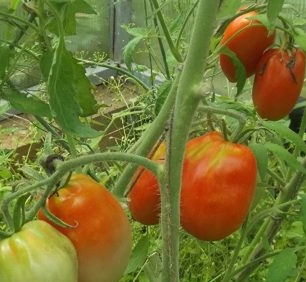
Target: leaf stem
(118, 69)
(163, 25)
(161, 46)
(15, 18)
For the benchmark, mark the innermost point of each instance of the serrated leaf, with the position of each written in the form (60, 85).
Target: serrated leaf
(261, 155)
(273, 9)
(282, 266)
(240, 73)
(283, 154)
(76, 74)
(28, 104)
(303, 212)
(287, 133)
(139, 255)
(67, 100)
(129, 50)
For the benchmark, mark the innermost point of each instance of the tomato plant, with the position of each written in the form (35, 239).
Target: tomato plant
(218, 186)
(247, 38)
(144, 197)
(38, 252)
(102, 233)
(278, 82)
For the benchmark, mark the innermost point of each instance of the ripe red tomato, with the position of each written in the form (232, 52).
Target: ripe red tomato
(248, 39)
(102, 234)
(278, 82)
(144, 197)
(218, 185)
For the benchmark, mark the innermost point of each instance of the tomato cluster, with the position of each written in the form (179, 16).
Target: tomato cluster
(218, 184)
(279, 72)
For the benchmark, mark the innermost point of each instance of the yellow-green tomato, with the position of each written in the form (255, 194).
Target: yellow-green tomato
(38, 252)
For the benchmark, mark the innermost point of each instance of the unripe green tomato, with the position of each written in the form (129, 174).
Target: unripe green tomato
(38, 252)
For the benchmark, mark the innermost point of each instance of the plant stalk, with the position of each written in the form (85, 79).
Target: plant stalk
(188, 97)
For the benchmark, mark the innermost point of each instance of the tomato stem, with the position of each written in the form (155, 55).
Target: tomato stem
(61, 170)
(239, 117)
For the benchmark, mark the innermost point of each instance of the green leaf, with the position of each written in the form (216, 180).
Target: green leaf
(4, 107)
(139, 34)
(273, 9)
(129, 50)
(4, 59)
(139, 255)
(70, 92)
(303, 212)
(240, 73)
(14, 4)
(27, 103)
(68, 10)
(300, 37)
(153, 267)
(261, 154)
(285, 156)
(81, 6)
(61, 1)
(228, 8)
(19, 211)
(283, 131)
(282, 266)
(75, 73)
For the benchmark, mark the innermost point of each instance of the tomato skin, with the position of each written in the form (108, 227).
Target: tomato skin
(218, 186)
(248, 39)
(278, 82)
(102, 236)
(38, 252)
(144, 197)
